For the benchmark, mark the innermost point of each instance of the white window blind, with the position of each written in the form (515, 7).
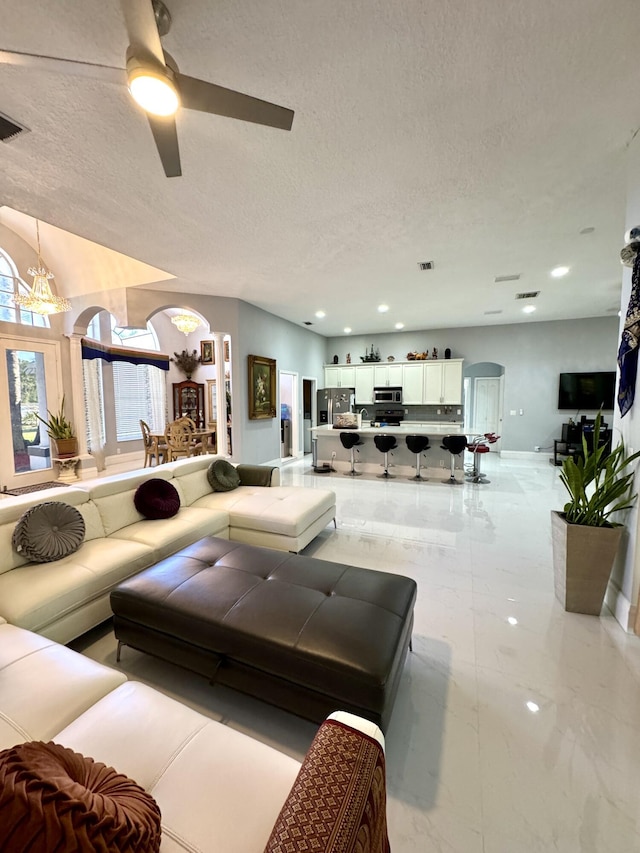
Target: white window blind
(133, 401)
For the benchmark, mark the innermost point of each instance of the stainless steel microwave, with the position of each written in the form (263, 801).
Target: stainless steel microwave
(387, 394)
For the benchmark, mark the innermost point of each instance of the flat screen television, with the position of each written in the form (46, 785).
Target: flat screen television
(590, 391)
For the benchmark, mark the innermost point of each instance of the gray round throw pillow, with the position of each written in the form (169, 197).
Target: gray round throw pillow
(222, 476)
(48, 531)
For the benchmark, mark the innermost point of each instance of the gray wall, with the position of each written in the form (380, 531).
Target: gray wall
(533, 355)
(295, 349)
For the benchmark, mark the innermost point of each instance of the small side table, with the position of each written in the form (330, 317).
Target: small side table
(67, 468)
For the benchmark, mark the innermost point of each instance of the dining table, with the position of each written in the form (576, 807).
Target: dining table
(201, 435)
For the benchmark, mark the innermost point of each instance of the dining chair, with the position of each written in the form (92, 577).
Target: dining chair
(180, 441)
(154, 448)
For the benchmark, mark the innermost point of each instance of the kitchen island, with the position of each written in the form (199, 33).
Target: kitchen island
(435, 461)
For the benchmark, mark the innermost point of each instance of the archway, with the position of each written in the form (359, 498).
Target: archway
(484, 398)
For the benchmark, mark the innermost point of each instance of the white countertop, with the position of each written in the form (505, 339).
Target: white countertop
(418, 428)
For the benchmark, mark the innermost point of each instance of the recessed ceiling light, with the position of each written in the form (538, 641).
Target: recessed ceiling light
(533, 707)
(383, 308)
(399, 325)
(529, 309)
(347, 330)
(559, 272)
(320, 315)
(512, 620)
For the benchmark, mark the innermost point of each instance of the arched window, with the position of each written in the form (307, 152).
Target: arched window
(140, 390)
(121, 393)
(10, 283)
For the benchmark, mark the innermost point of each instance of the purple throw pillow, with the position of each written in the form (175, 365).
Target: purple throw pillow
(157, 498)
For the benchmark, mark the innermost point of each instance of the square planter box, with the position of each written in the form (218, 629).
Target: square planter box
(582, 562)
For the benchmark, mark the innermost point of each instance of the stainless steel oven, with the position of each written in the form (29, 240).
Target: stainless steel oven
(384, 394)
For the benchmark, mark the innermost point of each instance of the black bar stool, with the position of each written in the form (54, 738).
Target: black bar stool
(455, 444)
(350, 440)
(385, 443)
(417, 444)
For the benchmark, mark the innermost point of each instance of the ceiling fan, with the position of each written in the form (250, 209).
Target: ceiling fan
(156, 84)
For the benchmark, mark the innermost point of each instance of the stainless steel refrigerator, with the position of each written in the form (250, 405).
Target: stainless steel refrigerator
(334, 401)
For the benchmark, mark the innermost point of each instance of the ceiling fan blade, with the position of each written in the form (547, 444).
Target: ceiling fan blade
(166, 136)
(140, 21)
(63, 66)
(209, 98)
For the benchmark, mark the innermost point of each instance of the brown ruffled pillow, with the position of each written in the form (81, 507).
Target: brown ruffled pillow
(52, 798)
(48, 532)
(157, 498)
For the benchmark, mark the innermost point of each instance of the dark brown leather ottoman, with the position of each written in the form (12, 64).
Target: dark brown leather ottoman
(304, 634)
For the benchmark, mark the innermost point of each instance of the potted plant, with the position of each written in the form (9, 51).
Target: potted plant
(186, 361)
(61, 431)
(585, 539)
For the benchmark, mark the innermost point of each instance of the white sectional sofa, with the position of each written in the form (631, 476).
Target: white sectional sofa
(218, 790)
(65, 598)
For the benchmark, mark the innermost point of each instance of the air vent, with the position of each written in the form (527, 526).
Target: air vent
(494, 312)
(499, 279)
(589, 230)
(425, 265)
(530, 295)
(10, 129)
(307, 323)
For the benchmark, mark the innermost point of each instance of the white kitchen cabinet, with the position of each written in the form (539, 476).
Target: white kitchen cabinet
(412, 383)
(340, 377)
(443, 382)
(452, 383)
(387, 375)
(364, 384)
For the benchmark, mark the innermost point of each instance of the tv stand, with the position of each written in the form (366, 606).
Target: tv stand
(571, 442)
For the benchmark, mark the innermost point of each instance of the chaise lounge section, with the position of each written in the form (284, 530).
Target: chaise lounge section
(217, 789)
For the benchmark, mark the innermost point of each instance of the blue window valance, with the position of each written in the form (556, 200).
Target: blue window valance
(108, 352)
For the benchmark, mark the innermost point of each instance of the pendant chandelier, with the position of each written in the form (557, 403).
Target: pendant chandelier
(186, 323)
(40, 299)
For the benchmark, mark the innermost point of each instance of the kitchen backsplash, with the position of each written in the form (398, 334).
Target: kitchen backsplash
(448, 414)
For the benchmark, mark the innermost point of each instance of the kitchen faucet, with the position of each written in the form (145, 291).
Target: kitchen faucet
(364, 412)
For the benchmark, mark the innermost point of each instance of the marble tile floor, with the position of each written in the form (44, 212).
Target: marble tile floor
(517, 726)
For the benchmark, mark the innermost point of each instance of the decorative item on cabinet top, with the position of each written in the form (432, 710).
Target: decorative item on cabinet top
(371, 355)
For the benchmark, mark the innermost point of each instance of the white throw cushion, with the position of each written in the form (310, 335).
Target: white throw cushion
(44, 686)
(39, 593)
(168, 535)
(287, 510)
(217, 789)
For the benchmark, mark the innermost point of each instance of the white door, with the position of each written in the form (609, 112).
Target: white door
(30, 383)
(486, 405)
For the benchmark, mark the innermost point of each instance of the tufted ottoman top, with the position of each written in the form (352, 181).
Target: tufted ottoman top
(335, 629)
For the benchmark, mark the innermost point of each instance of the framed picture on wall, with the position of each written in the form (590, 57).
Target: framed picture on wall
(207, 353)
(262, 387)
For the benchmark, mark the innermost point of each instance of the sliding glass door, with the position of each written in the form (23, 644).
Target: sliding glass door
(30, 383)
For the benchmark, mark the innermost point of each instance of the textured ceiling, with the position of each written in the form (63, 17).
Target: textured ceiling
(478, 135)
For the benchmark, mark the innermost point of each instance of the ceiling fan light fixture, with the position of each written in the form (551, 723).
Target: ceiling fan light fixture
(155, 91)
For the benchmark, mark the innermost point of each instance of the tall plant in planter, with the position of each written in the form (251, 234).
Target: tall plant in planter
(585, 539)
